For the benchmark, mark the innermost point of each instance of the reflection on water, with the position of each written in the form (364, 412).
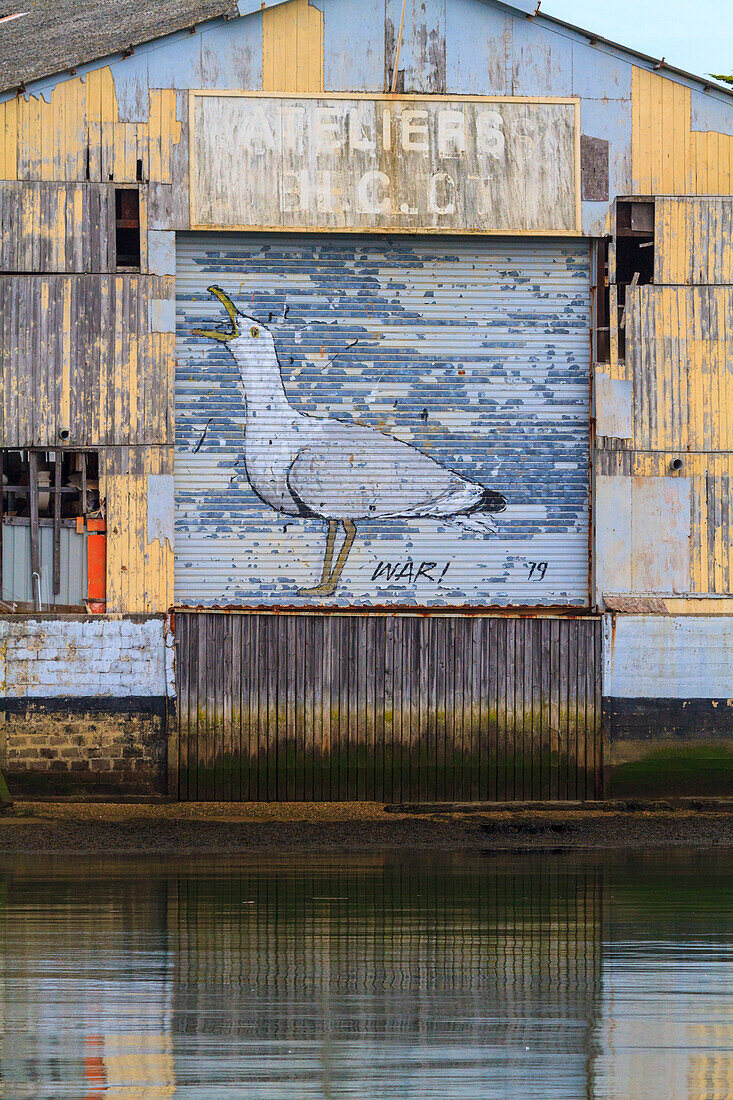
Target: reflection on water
(541, 975)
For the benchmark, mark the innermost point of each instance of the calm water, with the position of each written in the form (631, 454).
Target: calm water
(545, 975)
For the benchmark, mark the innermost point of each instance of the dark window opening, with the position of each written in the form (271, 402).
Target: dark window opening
(602, 303)
(139, 173)
(49, 501)
(634, 255)
(127, 227)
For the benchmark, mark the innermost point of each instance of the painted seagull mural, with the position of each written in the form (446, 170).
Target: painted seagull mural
(343, 473)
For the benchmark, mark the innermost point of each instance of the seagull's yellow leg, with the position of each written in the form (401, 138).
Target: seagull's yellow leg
(350, 530)
(322, 587)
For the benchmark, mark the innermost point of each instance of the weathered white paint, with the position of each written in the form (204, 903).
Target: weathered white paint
(652, 657)
(160, 508)
(376, 163)
(161, 252)
(614, 407)
(161, 315)
(642, 535)
(59, 658)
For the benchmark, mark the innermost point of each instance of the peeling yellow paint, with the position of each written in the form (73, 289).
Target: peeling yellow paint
(292, 48)
(139, 573)
(46, 141)
(700, 605)
(679, 347)
(668, 157)
(693, 241)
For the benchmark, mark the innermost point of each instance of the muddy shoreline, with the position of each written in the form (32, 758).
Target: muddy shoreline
(176, 829)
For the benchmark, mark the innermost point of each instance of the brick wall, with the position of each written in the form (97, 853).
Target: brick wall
(85, 657)
(85, 704)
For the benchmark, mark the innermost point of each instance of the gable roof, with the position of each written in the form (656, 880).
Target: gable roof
(52, 36)
(56, 35)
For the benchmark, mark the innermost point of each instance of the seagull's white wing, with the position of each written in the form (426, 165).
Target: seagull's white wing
(350, 472)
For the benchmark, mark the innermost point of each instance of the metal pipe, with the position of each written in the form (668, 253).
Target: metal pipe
(399, 47)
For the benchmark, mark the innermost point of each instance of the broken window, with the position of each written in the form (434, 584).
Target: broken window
(52, 531)
(634, 244)
(127, 227)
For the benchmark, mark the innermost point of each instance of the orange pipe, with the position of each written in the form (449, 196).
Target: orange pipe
(96, 566)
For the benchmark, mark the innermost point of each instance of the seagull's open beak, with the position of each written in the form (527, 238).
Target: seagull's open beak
(217, 334)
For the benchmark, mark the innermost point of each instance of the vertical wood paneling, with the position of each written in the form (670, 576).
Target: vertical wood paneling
(139, 573)
(679, 350)
(409, 704)
(77, 135)
(693, 241)
(82, 341)
(668, 156)
(292, 48)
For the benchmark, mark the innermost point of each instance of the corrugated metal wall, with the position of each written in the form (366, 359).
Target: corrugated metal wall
(475, 353)
(276, 707)
(16, 571)
(671, 405)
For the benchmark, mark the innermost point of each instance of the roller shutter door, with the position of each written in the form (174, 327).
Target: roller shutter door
(404, 377)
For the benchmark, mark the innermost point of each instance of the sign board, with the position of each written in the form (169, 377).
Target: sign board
(384, 163)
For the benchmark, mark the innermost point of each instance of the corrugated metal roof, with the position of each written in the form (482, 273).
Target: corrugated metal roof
(55, 35)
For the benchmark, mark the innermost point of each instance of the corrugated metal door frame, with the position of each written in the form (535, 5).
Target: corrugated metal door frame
(393, 280)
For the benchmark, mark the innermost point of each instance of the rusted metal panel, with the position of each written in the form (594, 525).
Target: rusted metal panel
(293, 707)
(380, 163)
(469, 362)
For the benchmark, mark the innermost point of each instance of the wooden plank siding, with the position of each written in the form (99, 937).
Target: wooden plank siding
(57, 227)
(292, 707)
(679, 351)
(292, 48)
(77, 354)
(693, 241)
(668, 156)
(76, 135)
(139, 570)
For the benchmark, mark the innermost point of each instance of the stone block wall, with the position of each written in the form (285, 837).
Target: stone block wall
(89, 749)
(86, 704)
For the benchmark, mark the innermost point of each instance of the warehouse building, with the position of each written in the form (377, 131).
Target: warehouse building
(366, 406)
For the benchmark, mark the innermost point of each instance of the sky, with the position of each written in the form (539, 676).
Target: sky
(696, 35)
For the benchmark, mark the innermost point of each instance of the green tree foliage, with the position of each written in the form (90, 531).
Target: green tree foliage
(719, 76)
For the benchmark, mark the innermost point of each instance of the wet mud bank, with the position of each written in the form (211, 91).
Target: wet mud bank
(191, 829)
